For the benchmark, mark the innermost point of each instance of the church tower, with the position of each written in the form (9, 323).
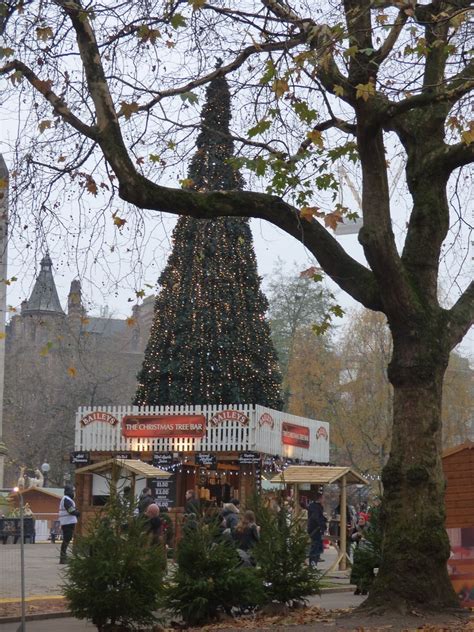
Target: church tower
(42, 312)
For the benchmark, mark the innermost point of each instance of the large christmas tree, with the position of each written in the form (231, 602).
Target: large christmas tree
(210, 342)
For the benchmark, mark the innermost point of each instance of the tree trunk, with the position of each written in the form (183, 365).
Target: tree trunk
(413, 572)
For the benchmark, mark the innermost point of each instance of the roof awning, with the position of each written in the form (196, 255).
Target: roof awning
(133, 466)
(318, 475)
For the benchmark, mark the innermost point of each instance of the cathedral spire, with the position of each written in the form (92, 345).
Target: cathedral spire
(44, 297)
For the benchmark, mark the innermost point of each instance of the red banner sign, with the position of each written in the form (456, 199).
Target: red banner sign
(291, 434)
(164, 426)
(98, 415)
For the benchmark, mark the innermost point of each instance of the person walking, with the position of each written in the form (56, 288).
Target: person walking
(68, 515)
(316, 528)
(145, 499)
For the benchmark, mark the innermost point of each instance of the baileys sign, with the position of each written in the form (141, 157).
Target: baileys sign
(99, 415)
(229, 415)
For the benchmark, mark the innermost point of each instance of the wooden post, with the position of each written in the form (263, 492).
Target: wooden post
(343, 525)
(133, 487)
(296, 496)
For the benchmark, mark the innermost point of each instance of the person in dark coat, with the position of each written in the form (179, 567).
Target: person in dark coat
(145, 500)
(317, 524)
(153, 523)
(68, 515)
(246, 534)
(231, 514)
(192, 506)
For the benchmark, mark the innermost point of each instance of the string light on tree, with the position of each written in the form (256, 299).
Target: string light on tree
(210, 341)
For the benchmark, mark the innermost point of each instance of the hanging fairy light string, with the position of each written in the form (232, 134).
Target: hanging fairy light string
(210, 341)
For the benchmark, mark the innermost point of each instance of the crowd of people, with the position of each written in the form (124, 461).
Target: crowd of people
(240, 527)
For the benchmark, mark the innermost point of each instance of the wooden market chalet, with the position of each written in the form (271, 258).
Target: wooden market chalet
(222, 452)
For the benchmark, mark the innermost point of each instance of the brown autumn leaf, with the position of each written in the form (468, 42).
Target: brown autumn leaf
(44, 125)
(309, 272)
(316, 138)
(280, 86)
(131, 322)
(91, 185)
(127, 109)
(310, 212)
(72, 371)
(118, 221)
(331, 220)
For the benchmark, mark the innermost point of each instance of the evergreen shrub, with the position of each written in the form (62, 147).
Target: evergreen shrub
(281, 557)
(115, 577)
(209, 577)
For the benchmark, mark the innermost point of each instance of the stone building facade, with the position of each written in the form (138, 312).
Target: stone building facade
(58, 360)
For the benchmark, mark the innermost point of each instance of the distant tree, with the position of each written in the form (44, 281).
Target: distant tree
(312, 379)
(210, 341)
(296, 303)
(458, 401)
(361, 428)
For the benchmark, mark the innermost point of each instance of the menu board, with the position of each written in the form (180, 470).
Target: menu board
(164, 490)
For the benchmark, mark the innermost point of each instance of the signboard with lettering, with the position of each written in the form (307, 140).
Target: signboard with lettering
(123, 455)
(79, 458)
(293, 434)
(246, 458)
(164, 426)
(98, 415)
(162, 459)
(206, 459)
(229, 415)
(163, 490)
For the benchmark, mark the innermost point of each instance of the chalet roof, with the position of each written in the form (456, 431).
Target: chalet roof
(318, 475)
(130, 465)
(55, 492)
(467, 445)
(44, 297)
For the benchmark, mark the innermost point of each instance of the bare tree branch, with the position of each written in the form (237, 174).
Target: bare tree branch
(223, 70)
(461, 316)
(57, 102)
(384, 51)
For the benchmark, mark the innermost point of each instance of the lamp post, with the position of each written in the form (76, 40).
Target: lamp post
(19, 491)
(45, 468)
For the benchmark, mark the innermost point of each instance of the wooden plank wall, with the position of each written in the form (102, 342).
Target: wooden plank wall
(459, 499)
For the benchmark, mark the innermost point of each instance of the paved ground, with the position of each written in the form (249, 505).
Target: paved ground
(43, 573)
(328, 601)
(43, 578)
(42, 570)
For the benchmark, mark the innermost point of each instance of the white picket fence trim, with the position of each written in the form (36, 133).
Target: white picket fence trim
(227, 436)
